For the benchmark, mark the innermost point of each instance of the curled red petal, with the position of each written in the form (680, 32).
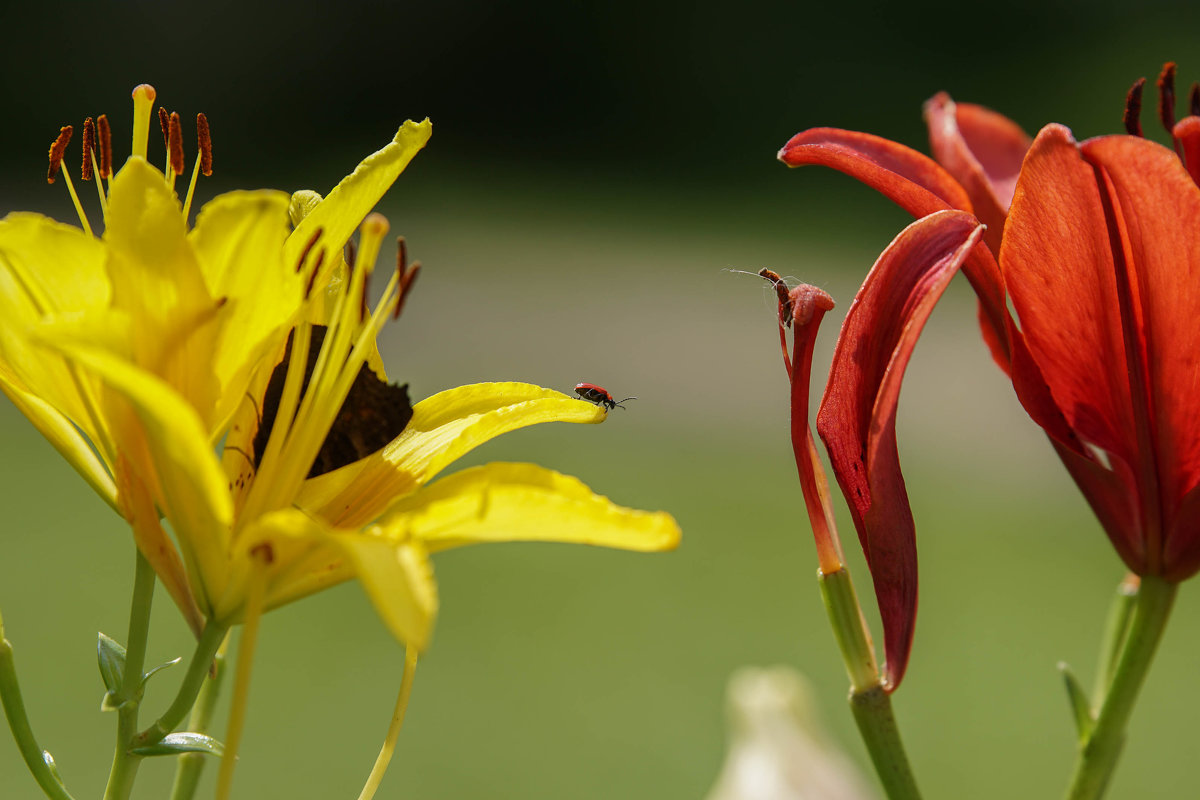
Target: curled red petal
(857, 419)
(983, 150)
(920, 186)
(910, 179)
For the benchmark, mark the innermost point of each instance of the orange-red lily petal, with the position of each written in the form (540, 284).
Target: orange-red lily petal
(857, 419)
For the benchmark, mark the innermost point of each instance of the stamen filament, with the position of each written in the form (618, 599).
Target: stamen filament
(83, 220)
(187, 200)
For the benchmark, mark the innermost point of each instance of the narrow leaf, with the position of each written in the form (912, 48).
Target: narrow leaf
(1084, 722)
(175, 743)
(161, 667)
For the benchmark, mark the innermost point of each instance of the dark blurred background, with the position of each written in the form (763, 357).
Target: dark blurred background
(596, 170)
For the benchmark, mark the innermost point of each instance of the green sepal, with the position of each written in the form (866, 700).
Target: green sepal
(174, 744)
(1084, 721)
(111, 656)
(160, 668)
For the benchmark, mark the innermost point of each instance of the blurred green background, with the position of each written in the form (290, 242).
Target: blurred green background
(595, 172)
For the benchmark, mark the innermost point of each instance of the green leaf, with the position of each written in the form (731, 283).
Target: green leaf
(175, 743)
(112, 662)
(1084, 721)
(160, 667)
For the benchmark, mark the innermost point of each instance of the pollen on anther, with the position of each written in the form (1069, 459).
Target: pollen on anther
(89, 147)
(104, 133)
(1133, 108)
(57, 151)
(175, 143)
(164, 122)
(1166, 96)
(204, 144)
(781, 292)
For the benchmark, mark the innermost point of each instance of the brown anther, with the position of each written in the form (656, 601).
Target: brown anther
(312, 279)
(1133, 108)
(105, 135)
(164, 122)
(175, 143)
(204, 144)
(57, 151)
(781, 292)
(350, 253)
(1166, 96)
(89, 147)
(312, 242)
(407, 279)
(1194, 100)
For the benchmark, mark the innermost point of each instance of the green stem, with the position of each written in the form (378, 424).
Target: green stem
(190, 765)
(1098, 753)
(129, 694)
(38, 760)
(869, 700)
(202, 659)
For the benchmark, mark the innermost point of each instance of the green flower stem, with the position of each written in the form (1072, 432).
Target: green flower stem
(125, 764)
(190, 765)
(1099, 751)
(36, 759)
(869, 700)
(202, 659)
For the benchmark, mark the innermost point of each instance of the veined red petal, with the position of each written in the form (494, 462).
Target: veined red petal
(1059, 271)
(857, 419)
(983, 150)
(1159, 204)
(917, 184)
(1187, 134)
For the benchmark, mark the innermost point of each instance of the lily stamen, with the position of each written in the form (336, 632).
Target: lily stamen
(1133, 108)
(104, 137)
(175, 161)
(203, 161)
(89, 167)
(57, 151)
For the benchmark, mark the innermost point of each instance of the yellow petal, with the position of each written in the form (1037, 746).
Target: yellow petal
(66, 438)
(238, 240)
(504, 502)
(344, 208)
(398, 578)
(157, 281)
(48, 270)
(444, 427)
(168, 447)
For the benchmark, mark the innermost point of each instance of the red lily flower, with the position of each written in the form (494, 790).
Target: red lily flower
(1096, 246)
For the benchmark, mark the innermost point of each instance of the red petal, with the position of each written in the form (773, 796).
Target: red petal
(1187, 134)
(1159, 204)
(910, 179)
(1060, 275)
(857, 419)
(918, 185)
(984, 151)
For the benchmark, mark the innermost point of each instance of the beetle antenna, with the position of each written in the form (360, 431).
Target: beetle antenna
(618, 403)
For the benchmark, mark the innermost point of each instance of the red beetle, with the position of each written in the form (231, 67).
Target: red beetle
(599, 395)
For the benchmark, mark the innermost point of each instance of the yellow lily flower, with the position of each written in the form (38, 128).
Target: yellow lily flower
(143, 353)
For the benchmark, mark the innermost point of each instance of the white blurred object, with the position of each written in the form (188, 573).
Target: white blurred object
(778, 750)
